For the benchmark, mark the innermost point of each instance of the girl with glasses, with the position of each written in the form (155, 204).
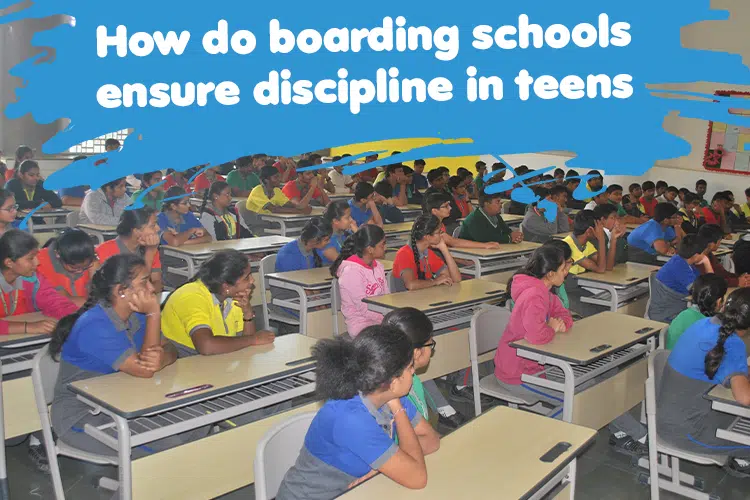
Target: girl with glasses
(177, 224)
(68, 262)
(8, 211)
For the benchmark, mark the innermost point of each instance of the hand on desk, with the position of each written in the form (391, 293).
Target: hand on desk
(152, 359)
(43, 326)
(556, 324)
(492, 245)
(263, 337)
(443, 280)
(516, 237)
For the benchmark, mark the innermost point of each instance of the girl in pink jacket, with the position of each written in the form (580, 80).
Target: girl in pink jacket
(360, 275)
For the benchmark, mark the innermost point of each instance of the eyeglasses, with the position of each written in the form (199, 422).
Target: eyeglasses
(431, 344)
(11, 208)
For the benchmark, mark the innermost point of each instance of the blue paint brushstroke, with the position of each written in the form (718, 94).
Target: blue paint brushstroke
(592, 128)
(138, 202)
(25, 222)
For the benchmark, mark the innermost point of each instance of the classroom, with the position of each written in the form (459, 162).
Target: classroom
(259, 327)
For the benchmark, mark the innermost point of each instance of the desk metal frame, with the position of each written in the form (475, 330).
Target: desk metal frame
(491, 263)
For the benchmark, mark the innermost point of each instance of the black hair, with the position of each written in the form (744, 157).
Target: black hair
(683, 191)
(707, 290)
(541, 193)
(648, 185)
(74, 246)
(267, 172)
(673, 189)
(711, 233)
(480, 165)
(443, 169)
(111, 184)
(133, 219)
(5, 195)
(147, 178)
(584, 220)
(664, 211)
(419, 162)
(747, 192)
(455, 182)
(633, 187)
(173, 192)
(224, 266)
(425, 225)
(119, 269)
(564, 247)
(208, 194)
(603, 211)
(384, 189)
(362, 191)
(572, 173)
(111, 142)
(701, 182)
(595, 173)
(661, 184)
(741, 257)
(244, 161)
(21, 151)
(28, 165)
(336, 210)
(346, 367)
(545, 259)
(14, 244)
(434, 175)
(736, 316)
(558, 171)
(691, 245)
(413, 323)
(302, 164)
(366, 236)
(391, 169)
(720, 196)
(690, 198)
(463, 173)
(408, 170)
(613, 187)
(485, 197)
(318, 229)
(434, 201)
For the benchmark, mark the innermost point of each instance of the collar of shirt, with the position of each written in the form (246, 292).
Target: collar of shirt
(132, 325)
(382, 416)
(8, 287)
(489, 219)
(58, 267)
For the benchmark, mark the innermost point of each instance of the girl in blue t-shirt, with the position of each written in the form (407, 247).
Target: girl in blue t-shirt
(710, 352)
(339, 215)
(302, 253)
(177, 224)
(365, 382)
(118, 329)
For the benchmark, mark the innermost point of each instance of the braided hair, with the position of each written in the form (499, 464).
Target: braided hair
(367, 236)
(736, 316)
(316, 229)
(707, 290)
(216, 188)
(423, 226)
(117, 270)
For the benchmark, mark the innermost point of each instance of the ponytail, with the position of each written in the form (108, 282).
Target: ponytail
(425, 224)
(117, 270)
(346, 367)
(545, 259)
(318, 229)
(367, 236)
(736, 316)
(707, 290)
(216, 188)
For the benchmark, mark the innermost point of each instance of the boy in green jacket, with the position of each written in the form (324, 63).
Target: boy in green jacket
(485, 225)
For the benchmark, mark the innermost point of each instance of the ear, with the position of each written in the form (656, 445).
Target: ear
(7, 263)
(119, 290)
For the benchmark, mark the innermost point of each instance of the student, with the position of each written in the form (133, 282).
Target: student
(745, 207)
(413, 196)
(117, 330)
(212, 314)
(712, 351)
(648, 201)
(137, 233)
(437, 182)
(701, 186)
(587, 230)
(176, 179)
(307, 189)
(268, 197)
(707, 300)
(363, 207)
(661, 188)
(636, 209)
(595, 182)
(217, 215)
(371, 174)
(485, 224)
(734, 216)
(28, 188)
(713, 236)
(439, 205)
(73, 196)
(339, 215)
(104, 206)
(417, 265)
(690, 213)
(599, 199)
(206, 178)
(419, 181)
(741, 259)
(560, 291)
(659, 236)
(177, 224)
(460, 202)
(572, 181)
(614, 232)
(24, 290)
(155, 197)
(366, 409)
(242, 180)
(396, 180)
(342, 182)
(468, 181)
(481, 168)
(538, 315)
(360, 275)
(615, 198)
(302, 253)
(8, 211)
(669, 196)
(536, 226)
(68, 262)
(559, 176)
(716, 212)
(23, 153)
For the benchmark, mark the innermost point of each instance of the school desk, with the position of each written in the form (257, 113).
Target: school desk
(53, 219)
(101, 233)
(496, 455)
(723, 400)
(16, 353)
(446, 306)
(143, 410)
(561, 236)
(340, 196)
(313, 289)
(290, 224)
(486, 261)
(595, 346)
(513, 221)
(398, 234)
(624, 284)
(411, 211)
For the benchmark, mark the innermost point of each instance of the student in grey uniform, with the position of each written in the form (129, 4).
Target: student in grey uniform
(117, 329)
(536, 226)
(710, 352)
(366, 383)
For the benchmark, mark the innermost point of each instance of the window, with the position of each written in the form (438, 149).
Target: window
(96, 146)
